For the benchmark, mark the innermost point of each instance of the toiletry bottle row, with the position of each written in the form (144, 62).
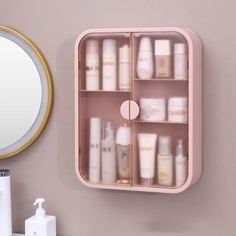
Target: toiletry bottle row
(162, 66)
(109, 65)
(169, 171)
(108, 156)
(154, 109)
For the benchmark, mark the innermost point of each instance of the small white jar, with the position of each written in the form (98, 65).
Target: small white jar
(152, 109)
(178, 109)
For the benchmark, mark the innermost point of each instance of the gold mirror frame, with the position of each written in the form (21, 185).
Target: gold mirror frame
(48, 77)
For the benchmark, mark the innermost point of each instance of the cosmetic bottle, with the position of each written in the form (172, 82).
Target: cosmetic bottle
(109, 65)
(124, 67)
(180, 61)
(147, 152)
(178, 109)
(92, 64)
(94, 150)
(162, 58)
(165, 162)
(123, 145)
(5, 203)
(108, 155)
(180, 164)
(40, 224)
(145, 59)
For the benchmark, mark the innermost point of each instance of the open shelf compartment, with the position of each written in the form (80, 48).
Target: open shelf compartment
(106, 104)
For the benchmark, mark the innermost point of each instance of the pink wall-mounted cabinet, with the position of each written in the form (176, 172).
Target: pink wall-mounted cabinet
(98, 97)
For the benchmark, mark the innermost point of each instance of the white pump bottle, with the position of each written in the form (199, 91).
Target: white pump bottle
(40, 224)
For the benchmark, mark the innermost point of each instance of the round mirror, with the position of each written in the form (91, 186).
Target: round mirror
(25, 92)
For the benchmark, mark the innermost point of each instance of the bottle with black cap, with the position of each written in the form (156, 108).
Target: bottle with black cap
(5, 203)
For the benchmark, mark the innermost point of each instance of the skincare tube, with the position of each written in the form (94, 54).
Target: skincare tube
(147, 150)
(95, 149)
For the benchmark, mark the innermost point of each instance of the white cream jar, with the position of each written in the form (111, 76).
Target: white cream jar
(152, 109)
(177, 109)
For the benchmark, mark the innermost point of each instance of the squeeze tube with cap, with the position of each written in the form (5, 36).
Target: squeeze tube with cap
(123, 142)
(147, 151)
(95, 149)
(180, 60)
(165, 162)
(145, 59)
(92, 65)
(124, 67)
(109, 65)
(180, 164)
(108, 155)
(40, 224)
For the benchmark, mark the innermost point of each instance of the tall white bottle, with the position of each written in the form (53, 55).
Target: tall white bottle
(108, 155)
(92, 64)
(165, 162)
(180, 164)
(145, 66)
(109, 65)
(124, 67)
(95, 150)
(5, 203)
(40, 224)
(180, 62)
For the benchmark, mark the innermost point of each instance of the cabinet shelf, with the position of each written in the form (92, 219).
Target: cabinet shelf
(104, 91)
(162, 122)
(169, 80)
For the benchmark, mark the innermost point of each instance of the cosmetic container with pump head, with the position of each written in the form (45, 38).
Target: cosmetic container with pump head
(145, 59)
(165, 162)
(180, 164)
(5, 203)
(40, 224)
(92, 64)
(109, 65)
(108, 155)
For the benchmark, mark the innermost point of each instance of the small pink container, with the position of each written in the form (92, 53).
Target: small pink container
(106, 104)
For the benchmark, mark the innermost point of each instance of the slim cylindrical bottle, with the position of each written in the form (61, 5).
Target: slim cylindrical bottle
(180, 60)
(123, 142)
(124, 67)
(92, 64)
(145, 59)
(108, 155)
(109, 65)
(165, 162)
(180, 164)
(94, 150)
(5, 203)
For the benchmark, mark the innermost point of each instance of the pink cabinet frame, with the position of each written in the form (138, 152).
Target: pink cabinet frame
(193, 89)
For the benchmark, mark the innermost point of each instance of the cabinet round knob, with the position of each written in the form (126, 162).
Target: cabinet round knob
(129, 109)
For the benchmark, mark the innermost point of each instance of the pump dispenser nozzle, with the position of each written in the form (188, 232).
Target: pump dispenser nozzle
(179, 147)
(40, 212)
(108, 133)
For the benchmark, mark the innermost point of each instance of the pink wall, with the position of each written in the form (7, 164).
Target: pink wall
(47, 168)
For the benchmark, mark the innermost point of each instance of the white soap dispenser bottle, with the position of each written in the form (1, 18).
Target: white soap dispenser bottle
(40, 224)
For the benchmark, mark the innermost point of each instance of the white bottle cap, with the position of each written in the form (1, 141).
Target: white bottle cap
(180, 147)
(165, 145)
(177, 101)
(95, 127)
(124, 53)
(145, 44)
(162, 47)
(123, 135)
(153, 101)
(180, 48)
(109, 46)
(40, 212)
(92, 46)
(108, 133)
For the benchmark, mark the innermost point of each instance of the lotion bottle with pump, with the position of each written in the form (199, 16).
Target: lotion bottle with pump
(180, 164)
(145, 59)
(165, 162)
(108, 155)
(40, 224)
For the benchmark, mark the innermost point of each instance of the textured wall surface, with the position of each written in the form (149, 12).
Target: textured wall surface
(47, 167)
